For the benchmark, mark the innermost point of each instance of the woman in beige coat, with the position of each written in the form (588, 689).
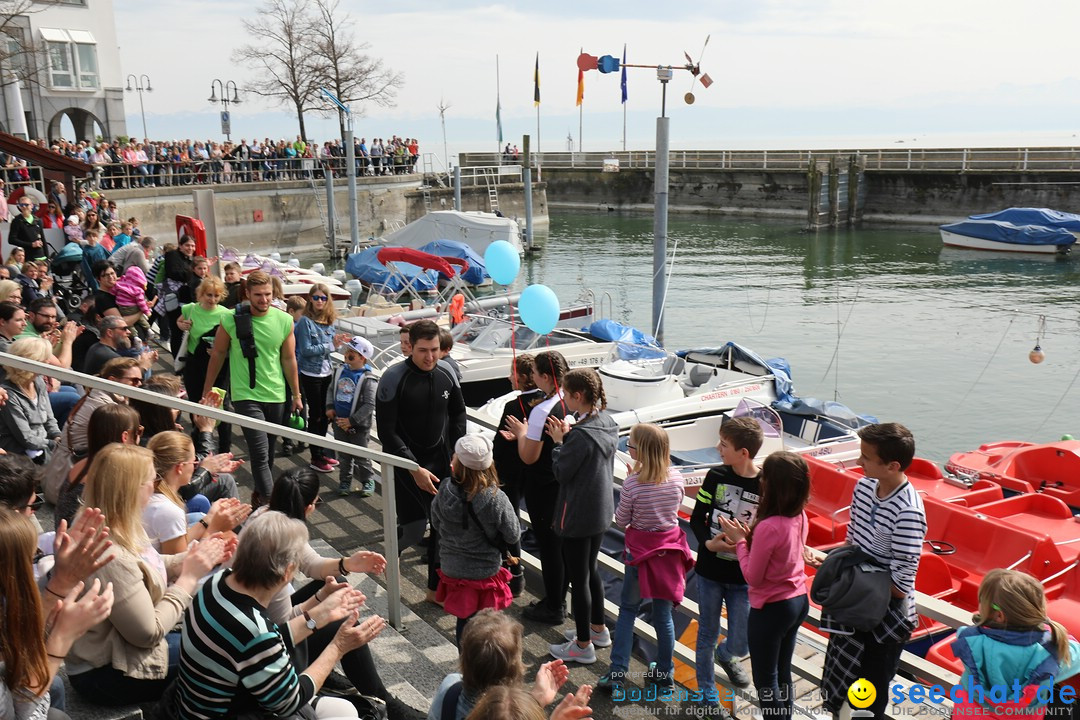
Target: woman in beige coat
(133, 656)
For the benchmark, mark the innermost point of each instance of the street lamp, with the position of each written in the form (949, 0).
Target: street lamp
(225, 120)
(139, 86)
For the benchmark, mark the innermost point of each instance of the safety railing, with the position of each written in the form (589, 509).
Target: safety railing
(175, 173)
(485, 175)
(1063, 159)
(807, 668)
(387, 462)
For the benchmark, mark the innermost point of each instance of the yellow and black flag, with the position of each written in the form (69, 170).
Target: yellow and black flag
(536, 82)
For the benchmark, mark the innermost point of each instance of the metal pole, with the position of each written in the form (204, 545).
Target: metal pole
(390, 540)
(350, 173)
(331, 213)
(142, 111)
(660, 223)
(457, 188)
(526, 175)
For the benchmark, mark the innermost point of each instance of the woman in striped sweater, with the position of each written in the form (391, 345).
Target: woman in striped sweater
(649, 511)
(235, 660)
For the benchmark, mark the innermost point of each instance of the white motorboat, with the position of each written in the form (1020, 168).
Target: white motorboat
(476, 229)
(690, 384)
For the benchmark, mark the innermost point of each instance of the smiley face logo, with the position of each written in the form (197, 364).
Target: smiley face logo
(862, 693)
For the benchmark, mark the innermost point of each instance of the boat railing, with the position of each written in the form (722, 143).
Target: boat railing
(807, 665)
(1060, 159)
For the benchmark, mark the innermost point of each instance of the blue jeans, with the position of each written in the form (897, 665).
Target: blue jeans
(712, 596)
(623, 642)
(62, 401)
(772, 633)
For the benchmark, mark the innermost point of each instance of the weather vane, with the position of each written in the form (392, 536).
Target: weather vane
(664, 73)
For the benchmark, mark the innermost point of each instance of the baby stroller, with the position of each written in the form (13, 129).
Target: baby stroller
(70, 288)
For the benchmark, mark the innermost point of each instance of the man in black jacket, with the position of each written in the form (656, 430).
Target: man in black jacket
(420, 413)
(26, 231)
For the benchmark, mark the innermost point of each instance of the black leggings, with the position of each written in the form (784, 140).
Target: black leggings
(540, 502)
(358, 664)
(313, 390)
(586, 585)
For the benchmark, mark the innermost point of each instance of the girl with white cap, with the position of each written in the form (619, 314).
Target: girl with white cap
(476, 523)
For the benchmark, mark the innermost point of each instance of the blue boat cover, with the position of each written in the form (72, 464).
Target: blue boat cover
(779, 367)
(1004, 232)
(366, 267)
(633, 344)
(1043, 217)
(812, 407)
(453, 248)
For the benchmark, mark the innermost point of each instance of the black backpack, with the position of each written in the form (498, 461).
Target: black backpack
(245, 335)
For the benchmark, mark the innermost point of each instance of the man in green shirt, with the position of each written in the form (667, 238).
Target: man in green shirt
(269, 351)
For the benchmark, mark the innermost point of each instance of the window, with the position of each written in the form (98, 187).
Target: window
(72, 59)
(87, 58)
(60, 65)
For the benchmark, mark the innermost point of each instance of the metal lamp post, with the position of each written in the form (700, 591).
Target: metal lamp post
(140, 87)
(226, 121)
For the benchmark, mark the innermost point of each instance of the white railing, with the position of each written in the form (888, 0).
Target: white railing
(1065, 159)
(387, 463)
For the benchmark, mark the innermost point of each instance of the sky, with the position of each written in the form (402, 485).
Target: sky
(787, 74)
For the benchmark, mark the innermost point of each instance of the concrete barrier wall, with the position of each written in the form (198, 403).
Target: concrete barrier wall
(780, 194)
(290, 220)
(919, 197)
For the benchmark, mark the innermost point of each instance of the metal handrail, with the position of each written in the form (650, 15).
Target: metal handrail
(386, 461)
(1060, 159)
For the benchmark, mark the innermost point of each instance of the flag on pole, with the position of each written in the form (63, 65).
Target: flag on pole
(580, 84)
(622, 80)
(536, 82)
(498, 119)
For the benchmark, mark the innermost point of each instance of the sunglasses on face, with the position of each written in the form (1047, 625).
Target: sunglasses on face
(319, 298)
(34, 503)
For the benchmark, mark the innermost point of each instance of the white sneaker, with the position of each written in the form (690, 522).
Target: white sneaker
(569, 651)
(600, 639)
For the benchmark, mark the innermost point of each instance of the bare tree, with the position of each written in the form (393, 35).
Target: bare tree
(345, 67)
(21, 55)
(287, 71)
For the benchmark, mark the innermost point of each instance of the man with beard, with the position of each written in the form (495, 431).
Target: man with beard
(258, 342)
(114, 340)
(420, 414)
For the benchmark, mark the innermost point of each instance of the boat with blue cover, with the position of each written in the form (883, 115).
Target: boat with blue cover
(1027, 230)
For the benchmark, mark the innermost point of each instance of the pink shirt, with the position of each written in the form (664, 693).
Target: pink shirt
(773, 564)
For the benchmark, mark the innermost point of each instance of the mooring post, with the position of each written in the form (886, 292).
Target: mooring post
(457, 188)
(660, 227)
(526, 176)
(813, 184)
(834, 191)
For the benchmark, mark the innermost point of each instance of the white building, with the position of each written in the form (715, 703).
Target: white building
(68, 58)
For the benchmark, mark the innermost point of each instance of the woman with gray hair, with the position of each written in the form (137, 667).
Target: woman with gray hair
(234, 659)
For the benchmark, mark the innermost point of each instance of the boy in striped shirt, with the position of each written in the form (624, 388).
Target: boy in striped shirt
(889, 523)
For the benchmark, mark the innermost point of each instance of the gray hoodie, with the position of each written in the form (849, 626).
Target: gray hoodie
(464, 548)
(584, 467)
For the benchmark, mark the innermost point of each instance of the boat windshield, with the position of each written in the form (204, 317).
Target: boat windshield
(482, 332)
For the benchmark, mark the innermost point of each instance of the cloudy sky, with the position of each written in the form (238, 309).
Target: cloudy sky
(787, 73)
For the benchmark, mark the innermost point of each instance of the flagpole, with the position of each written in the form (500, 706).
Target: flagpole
(580, 114)
(624, 127)
(498, 112)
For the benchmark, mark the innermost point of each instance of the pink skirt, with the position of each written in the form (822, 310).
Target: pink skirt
(464, 598)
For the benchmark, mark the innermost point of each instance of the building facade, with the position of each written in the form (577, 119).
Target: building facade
(62, 59)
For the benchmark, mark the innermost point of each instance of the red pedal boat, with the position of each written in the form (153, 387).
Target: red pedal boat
(1021, 467)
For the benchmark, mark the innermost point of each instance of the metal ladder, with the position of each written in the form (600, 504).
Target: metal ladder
(426, 190)
(493, 189)
(316, 191)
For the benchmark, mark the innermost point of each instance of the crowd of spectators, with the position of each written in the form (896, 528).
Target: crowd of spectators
(131, 164)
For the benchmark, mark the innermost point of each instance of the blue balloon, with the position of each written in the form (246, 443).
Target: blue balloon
(502, 262)
(539, 308)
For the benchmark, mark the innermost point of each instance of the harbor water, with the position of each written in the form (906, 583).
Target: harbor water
(886, 321)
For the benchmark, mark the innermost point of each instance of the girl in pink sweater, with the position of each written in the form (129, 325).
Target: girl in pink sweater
(771, 557)
(130, 292)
